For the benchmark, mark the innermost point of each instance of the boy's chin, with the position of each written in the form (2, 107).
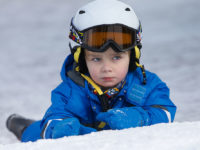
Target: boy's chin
(107, 87)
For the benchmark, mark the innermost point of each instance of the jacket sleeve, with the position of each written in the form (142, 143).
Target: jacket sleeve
(152, 100)
(158, 104)
(68, 101)
(57, 111)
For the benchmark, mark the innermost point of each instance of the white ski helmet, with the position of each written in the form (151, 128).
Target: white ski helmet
(104, 13)
(100, 12)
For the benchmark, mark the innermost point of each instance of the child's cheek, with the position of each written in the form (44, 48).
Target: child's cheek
(122, 73)
(93, 70)
(95, 73)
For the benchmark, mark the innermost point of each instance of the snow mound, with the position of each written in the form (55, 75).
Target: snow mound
(175, 136)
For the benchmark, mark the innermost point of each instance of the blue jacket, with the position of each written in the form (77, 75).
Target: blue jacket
(72, 99)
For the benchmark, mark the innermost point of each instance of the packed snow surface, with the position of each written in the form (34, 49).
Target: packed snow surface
(177, 136)
(34, 44)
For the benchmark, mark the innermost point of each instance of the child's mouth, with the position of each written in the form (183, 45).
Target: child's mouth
(107, 79)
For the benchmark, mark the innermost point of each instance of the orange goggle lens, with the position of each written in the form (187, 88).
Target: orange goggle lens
(98, 37)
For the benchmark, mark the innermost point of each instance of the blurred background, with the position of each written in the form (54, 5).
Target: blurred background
(34, 44)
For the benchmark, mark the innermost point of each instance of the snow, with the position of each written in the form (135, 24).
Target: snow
(160, 136)
(34, 44)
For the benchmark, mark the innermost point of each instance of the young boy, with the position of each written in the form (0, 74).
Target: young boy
(104, 86)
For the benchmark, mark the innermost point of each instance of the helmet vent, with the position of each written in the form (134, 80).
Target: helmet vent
(81, 12)
(127, 9)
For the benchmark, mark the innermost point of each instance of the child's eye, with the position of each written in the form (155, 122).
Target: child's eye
(116, 57)
(96, 59)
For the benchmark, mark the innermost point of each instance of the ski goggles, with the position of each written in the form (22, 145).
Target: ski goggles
(100, 38)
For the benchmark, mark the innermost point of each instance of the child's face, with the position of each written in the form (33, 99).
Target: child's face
(107, 68)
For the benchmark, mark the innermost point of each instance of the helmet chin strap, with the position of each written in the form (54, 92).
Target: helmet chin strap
(98, 89)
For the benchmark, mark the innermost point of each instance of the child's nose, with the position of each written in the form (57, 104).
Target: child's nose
(107, 66)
